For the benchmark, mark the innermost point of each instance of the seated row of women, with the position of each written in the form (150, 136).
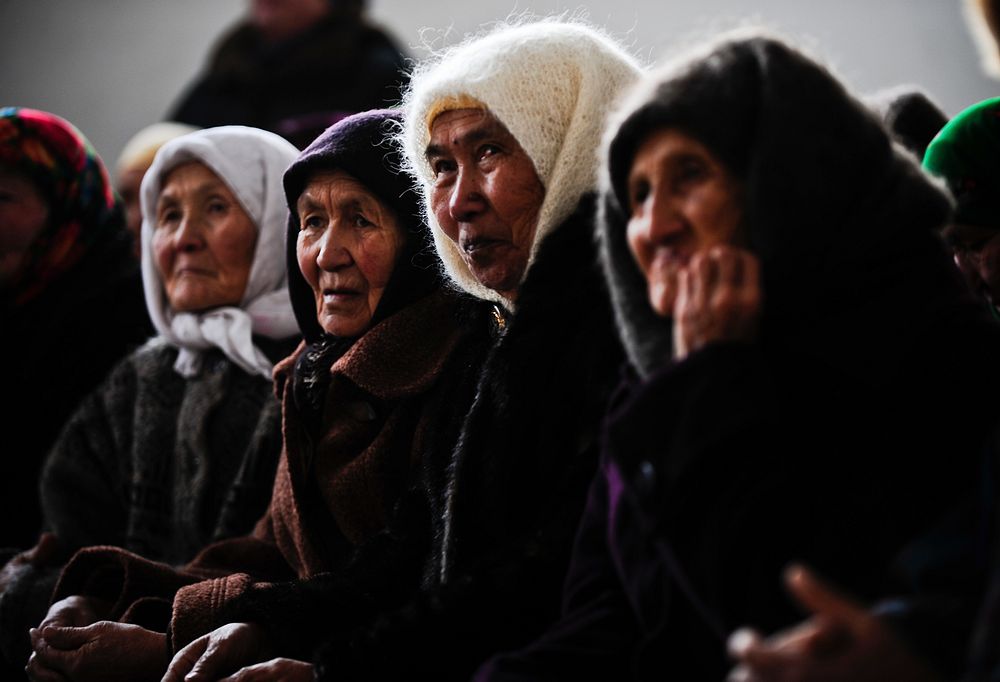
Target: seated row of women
(457, 488)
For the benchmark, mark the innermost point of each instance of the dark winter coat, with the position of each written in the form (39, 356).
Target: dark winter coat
(506, 499)
(840, 438)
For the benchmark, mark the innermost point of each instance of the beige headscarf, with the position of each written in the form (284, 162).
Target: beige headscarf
(552, 84)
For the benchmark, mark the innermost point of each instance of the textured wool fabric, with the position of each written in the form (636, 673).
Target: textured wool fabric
(250, 162)
(966, 153)
(551, 83)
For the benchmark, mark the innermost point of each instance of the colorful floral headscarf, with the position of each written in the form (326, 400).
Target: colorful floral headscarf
(83, 209)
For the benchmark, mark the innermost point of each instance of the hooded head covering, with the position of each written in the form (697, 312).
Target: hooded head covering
(250, 162)
(551, 83)
(966, 153)
(84, 215)
(361, 145)
(828, 199)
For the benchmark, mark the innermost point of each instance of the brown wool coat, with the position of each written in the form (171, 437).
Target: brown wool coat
(327, 497)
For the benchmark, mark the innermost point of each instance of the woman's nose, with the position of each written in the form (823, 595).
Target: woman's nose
(467, 199)
(189, 236)
(666, 224)
(333, 253)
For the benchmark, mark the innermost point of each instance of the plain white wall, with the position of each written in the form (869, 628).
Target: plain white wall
(113, 66)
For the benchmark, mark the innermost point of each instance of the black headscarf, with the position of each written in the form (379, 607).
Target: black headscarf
(360, 145)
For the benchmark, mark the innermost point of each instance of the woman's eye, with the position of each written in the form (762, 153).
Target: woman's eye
(312, 222)
(638, 192)
(442, 166)
(169, 217)
(218, 207)
(690, 172)
(488, 150)
(361, 221)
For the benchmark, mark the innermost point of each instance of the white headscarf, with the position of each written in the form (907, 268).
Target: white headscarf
(251, 162)
(552, 84)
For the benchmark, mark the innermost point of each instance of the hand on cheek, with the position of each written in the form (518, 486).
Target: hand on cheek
(718, 299)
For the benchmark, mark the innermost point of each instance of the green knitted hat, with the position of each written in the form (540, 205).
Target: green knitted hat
(966, 153)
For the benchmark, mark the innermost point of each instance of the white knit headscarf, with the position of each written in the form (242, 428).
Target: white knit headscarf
(251, 163)
(551, 83)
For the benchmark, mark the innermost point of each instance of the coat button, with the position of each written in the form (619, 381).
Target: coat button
(645, 478)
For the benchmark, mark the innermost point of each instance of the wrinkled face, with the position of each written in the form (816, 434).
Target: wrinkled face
(347, 249)
(23, 215)
(977, 254)
(681, 201)
(486, 196)
(203, 241)
(129, 182)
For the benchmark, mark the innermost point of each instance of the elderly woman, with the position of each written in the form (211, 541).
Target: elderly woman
(800, 345)
(359, 399)
(179, 446)
(71, 296)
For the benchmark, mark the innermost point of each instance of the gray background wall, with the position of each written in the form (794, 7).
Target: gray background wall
(113, 66)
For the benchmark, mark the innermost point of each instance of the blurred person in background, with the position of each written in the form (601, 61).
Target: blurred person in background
(983, 19)
(71, 302)
(966, 155)
(294, 67)
(133, 162)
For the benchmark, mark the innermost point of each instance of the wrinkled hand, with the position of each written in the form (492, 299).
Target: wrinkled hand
(42, 554)
(105, 651)
(220, 652)
(841, 642)
(275, 670)
(718, 299)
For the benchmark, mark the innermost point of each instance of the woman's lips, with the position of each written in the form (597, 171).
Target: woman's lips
(483, 251)
(334, 296)
(192, 271)
(473, 245)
